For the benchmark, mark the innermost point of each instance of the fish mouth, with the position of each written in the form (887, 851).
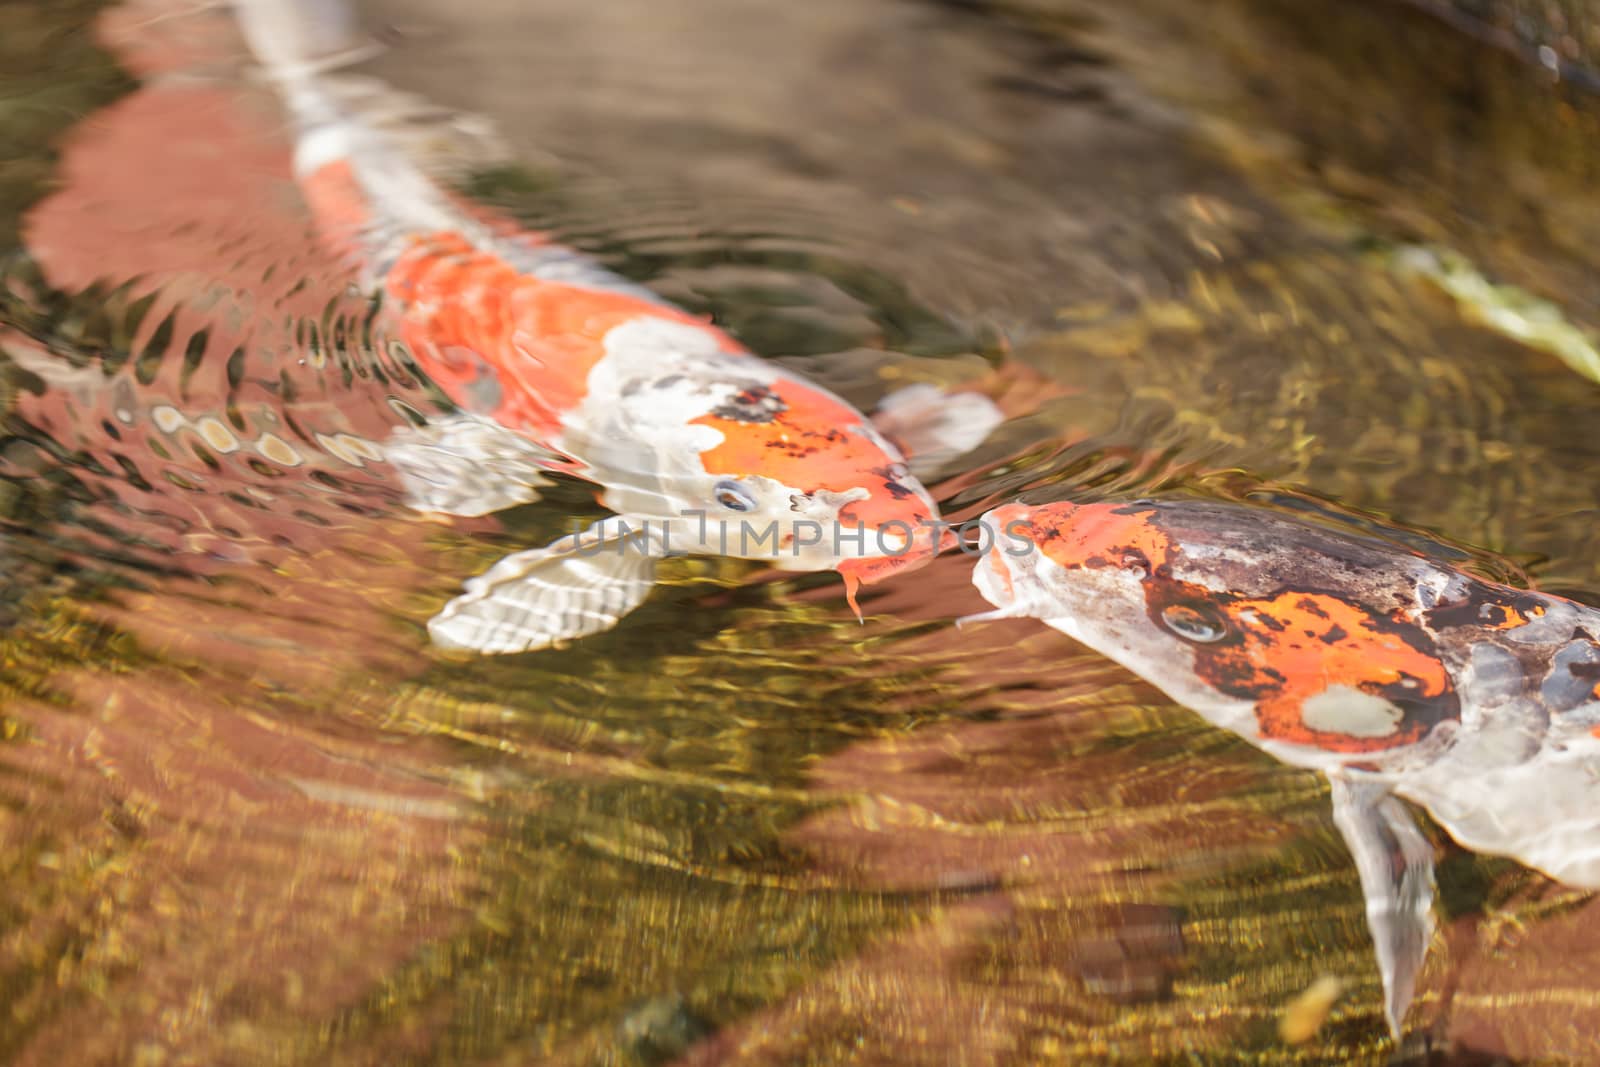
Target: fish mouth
(869, 570)
(992, 576)
(999, 575)
(911, 553)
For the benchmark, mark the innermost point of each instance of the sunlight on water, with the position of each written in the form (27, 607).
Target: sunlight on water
(248, 814)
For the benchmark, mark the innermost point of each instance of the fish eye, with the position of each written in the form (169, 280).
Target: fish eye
(1200, 623)
(733, 496)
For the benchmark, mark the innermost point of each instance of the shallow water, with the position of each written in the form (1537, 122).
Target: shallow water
(247, 815)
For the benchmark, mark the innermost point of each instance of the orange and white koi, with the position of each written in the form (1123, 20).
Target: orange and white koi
(558, 365)
(1393, 675)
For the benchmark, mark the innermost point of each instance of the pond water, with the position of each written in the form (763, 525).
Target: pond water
(249, 815)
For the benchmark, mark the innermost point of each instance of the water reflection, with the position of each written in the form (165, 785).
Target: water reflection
(245, 815)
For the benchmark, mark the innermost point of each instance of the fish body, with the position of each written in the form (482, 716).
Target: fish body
(558, 365)
(1392, 674)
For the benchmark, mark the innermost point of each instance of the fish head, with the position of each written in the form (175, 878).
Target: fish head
(1280, 630)
(795, 458)
(1033, 557)
(744, 459)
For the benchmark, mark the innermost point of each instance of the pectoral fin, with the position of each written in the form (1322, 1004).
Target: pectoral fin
(933, 427)
(1395, 861)
(468, 465)
(577, 586)
(298, 37)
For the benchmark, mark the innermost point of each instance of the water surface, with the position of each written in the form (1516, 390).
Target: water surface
(247, 815)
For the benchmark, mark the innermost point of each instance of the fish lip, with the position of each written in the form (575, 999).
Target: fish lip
(992, 574)
(993, 579)
(869, 570)
(872, 569)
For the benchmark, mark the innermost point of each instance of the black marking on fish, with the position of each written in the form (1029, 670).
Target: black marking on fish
(754, 403)
(1574, 670)
(892, 483)
(1309, 606)
(1484, 606)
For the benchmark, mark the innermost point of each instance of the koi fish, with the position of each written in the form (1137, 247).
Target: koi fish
(1393, 675)
(558, 365)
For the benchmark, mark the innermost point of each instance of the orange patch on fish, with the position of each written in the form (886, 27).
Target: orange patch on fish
(1512, 618)
(1099, 535)
(504, 344)
(793, 434)
(1322, 671)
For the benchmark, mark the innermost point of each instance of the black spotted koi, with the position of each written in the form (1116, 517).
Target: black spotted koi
(1393, 675)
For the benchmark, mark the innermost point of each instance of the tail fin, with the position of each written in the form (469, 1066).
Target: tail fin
(301, 38)
(370, 159)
